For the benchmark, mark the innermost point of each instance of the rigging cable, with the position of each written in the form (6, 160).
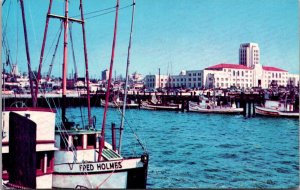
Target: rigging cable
(65, 140)
(135, 135)
(54, 54)
(57, 34)
(97, 11)
(5, 26)
(108, 12)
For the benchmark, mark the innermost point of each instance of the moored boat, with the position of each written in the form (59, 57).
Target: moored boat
(206, 106)
(155, 104)
(277, 109)
(118, 104)
(85, 159)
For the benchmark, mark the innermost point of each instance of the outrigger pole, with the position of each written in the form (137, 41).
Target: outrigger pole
(86, 66)
(108, 84)
(126, 80)
(42, 50)
(28, 55)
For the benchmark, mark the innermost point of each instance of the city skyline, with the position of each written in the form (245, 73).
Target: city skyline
(170, 35)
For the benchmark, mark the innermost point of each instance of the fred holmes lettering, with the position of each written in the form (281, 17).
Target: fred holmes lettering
(100, 166)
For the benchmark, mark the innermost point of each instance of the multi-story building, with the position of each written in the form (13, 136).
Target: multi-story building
(249, 54)
(187, 79)
(247, 74)
(157, 81)
(226, 75)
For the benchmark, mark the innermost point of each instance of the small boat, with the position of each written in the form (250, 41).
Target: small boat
(277, 109)
(207, 106)
(155, 104)
(118, 103)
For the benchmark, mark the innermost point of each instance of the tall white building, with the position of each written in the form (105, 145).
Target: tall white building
(249, 54)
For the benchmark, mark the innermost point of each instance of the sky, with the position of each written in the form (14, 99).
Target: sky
(172, 35)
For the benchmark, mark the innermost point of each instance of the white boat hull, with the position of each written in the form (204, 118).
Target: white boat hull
(105, 174)
(197, 108)
(148, 106)
(272, 112)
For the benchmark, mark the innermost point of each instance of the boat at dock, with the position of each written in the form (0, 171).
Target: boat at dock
(85, 159)
(69, 154)
(277, 109)
(118, 104)
(155, 104)
(207, 106)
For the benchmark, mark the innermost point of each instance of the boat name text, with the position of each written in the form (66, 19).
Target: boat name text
(100, 166)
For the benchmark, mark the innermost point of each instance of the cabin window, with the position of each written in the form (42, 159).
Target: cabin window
(63, 143)
(78, 141)
(91, 141)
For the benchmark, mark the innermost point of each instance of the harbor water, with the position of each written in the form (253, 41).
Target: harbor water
(208, 150)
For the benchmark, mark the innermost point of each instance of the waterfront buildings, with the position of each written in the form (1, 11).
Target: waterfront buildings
(247, 74)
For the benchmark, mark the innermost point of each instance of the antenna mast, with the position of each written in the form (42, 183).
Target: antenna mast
(34, 98)
(126, 80)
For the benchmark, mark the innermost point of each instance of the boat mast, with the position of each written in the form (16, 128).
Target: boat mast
(86, 66)
(28, 55)
(64, 68)
(126, 80)
(108, 84)
(42, 50)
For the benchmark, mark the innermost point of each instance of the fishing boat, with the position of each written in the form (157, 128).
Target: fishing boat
(277, 109)
(207, 106)
(74, 155)
(155, 104)
(84, 158)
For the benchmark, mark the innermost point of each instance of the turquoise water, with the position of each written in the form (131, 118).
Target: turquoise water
(210, 150)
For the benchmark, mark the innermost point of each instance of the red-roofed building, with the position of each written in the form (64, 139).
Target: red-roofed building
(247, 74)
(226, 75)
(267, 68)
(226, 65)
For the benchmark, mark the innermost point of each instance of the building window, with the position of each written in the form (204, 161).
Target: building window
(272, 75)
(233, 73)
